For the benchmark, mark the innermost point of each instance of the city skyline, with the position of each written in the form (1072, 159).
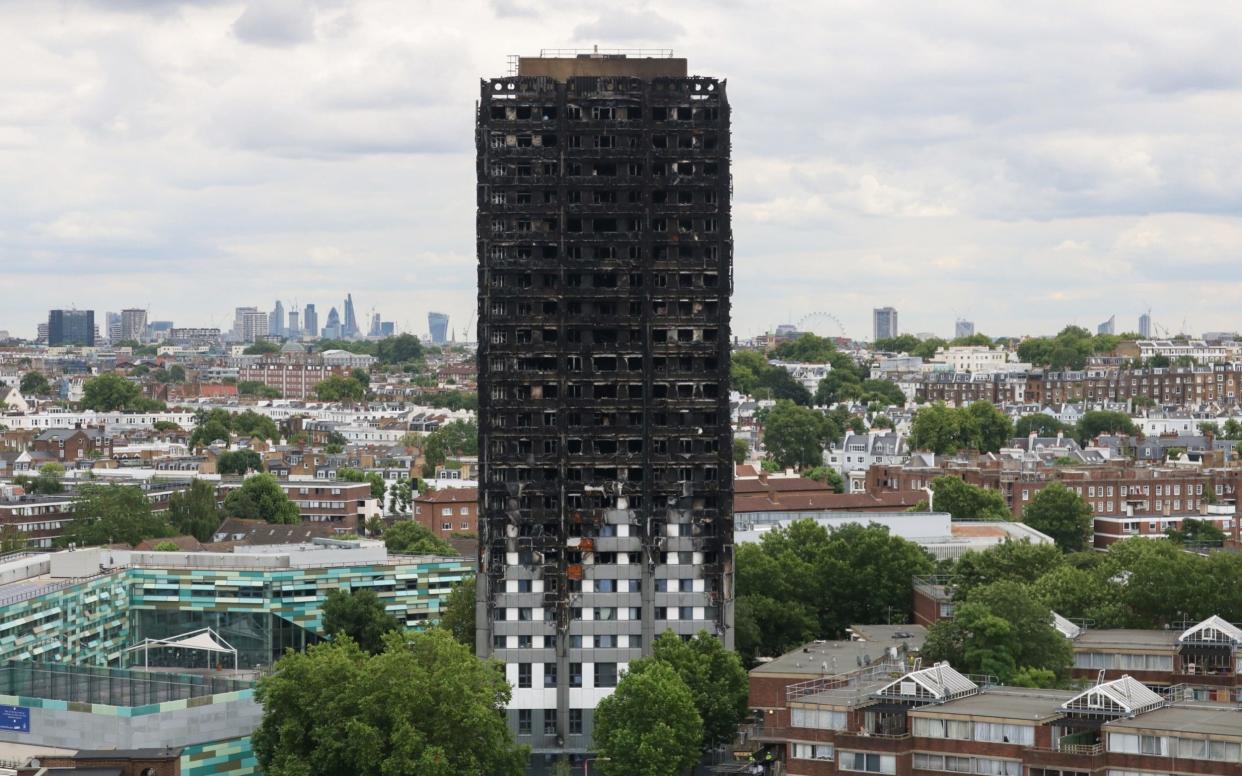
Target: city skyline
(915, 159)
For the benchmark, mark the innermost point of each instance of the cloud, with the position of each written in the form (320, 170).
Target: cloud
(622, 25)
(276, 22)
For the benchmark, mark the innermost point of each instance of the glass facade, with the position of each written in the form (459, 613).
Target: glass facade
(259, 637)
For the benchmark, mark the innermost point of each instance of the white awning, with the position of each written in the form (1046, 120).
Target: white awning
(204, 641)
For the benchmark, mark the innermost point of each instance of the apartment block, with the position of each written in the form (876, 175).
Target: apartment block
(605, 270)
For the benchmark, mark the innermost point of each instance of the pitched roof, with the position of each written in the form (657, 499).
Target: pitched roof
(939, 682)
(1213, 629)
(1122, 696)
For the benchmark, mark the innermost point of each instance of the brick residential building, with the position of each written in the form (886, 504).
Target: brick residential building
(448, 511)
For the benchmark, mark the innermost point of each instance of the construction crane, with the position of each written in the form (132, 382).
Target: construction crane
(465, 333)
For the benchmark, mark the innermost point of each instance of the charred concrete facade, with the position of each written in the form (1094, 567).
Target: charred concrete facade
(605, 271)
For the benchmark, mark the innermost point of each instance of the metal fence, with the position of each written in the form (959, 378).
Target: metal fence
(109, 686)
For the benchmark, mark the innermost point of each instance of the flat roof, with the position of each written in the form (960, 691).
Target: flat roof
(1016, 703)
(834, 658)
(1215, 721)
(1126, 639)
(564, 68)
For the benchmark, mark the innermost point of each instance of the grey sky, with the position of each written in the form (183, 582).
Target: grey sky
(1021, 165)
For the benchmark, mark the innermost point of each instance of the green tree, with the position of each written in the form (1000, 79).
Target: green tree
(461, 437)
(261, 348)
(741, 449)
(425, 706)
(937, 428)
(251, 424)
(1061, 514)
(260, 497)
(166, 425)
(457, 616)
(1080, 594)
(883, 392)
(1041, 424)
(361, 377)
(11, 540)
(350, 474)
(649, 725)
(1012, 561)
(904, 343)
(716, 680)
(193, 512)
(337, 388)
(112, 393)
(111, 514)
(166, 546)
(968, 502)
(828, 476)
(401, 349)
(766, 627)
(1097, 422)
(34, 384)
(1199, 532)
(805, 348)
(210, 426)
(360, 615)
(990, 429)
(48, 481)
(257, 388)
(1231, 430)
(1001, 629)
(410, 537)
(239, 462)
(928, 348)
(794, 435)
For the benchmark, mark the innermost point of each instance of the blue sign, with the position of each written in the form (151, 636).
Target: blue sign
(15, 718)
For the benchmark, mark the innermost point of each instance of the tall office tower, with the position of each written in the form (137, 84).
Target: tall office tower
(276, 321)
(1107, 327)
(884, 322)
(438, 323)
(239, 318)
(374, 331)
(254, 326)
(295, 329)
(963, 328)
(71, 327)
(388, 328)
(349, 328)
(605, 268)
(310, 321)
(332, 329)
(112, 322)
(134, 325)
(1145, 325)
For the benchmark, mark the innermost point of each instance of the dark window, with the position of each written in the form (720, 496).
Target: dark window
(605, 674)
(575, 721)
(524, 717)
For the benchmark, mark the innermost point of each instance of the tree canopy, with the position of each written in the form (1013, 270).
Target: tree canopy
(219, 424)
(194, 512)
(112, 514)
(1197, 532)
(1003, 630)
(261, 348)
(968, 502)
(113, 393)
(806, 348)
(804, 582)
(360, 615)
(649, 725)
(1069, 349)
(460, 437)
(751, 374)
(945, 430)
(796, 436)
(34, 384)
(1061, 514)
(424, 705)
(410, 537)
(716, 680)
(337, 388)
(457, 617)
(1096, 422)
(1041, 424)
(260, 497)
(239, 462)
(350, 474)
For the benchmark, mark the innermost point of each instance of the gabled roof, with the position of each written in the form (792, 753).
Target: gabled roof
(1121, 697)
(940, 682)
(1213, 629)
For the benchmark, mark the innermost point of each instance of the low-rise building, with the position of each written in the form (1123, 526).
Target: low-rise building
(448, 511)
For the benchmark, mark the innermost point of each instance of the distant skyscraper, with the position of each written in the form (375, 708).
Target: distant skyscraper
(388, 329)
(71, 327)
(295, 330)
(375, 326)
(1145, 325)
(332, 329)
(1107, 326)
(239, 321)
(254, 326)
(276, 321)
(884, 322)
(438, 323)
(112, 326)
(133, 324)
(310, 321)
(963, 328)
(349, 328)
